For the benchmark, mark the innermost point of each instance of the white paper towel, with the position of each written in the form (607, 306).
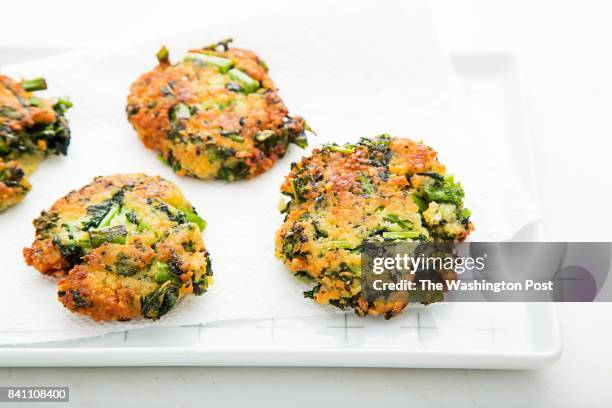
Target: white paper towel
(351, 69)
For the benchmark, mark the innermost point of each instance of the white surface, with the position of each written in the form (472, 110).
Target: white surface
(415, 96)
(454, 335)
(513, 336)
(564, 47)
(465, 335)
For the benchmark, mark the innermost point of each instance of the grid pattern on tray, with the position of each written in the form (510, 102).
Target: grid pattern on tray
(504, 326)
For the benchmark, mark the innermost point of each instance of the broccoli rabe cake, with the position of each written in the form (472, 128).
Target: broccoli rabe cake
(31, 129)
(380, 189)
(214, 115)
(124, 246)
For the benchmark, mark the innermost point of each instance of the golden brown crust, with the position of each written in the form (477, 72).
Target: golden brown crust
(45, 257)
(126, 246)
(218, 135)
(104, 299)
(379, 189)
(13, 184)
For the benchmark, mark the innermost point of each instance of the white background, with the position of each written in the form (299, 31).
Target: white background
(566, 53)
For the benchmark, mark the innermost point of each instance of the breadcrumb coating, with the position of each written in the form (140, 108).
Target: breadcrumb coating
(124, 246)
(380, 189)
(214, 115)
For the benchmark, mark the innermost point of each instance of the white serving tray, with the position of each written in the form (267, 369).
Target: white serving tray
(460, 335)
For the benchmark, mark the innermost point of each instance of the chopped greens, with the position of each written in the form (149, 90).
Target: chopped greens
(36, 84)
(443, 189)
(247, 83)
(341, 149)
(180, 111)
(224, 64)
(160, 301)
(400, 235)
(114, 235)
(163, 55)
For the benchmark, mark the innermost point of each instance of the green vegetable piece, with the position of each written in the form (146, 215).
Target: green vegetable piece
(444, 190)
(192, 216)
(162, 159)
(80, 301)
(366, 185)
(160, 301)
(356, 269)
(297, 194)
(109, 216)
(163, 56)
(338, 244)
(131, 217)
(311, 293)
(420, 203)
(116, 234)
(300, 140)
(224, 64)
(62, 105)
(391, 235)
(406, 225)
(233, 136)
(142, 226)
(341, 149)
(464, 215)
(224, 43)
(36, 84)
(263, 64)
(264, 135)
(180, 111)
(163, 273)
(125, 266)
(72, 251)
(236, 138)
(10, 112)
(12, 176)
(425, 296)
(34, 101)
(247, 83)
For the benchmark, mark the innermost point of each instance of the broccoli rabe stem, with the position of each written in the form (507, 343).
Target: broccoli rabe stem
(36, 84)
(224, 43)
(224, 64)
(109, 216)
(195, 218)
(163, 56)
(420, 203)
(300, 140)
(338, 244)
(405, 225)
(341, 149)
(114, 235)
(391, 235)
(247, 83)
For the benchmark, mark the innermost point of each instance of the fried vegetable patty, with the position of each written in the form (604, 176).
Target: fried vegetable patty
(126, 245)
(381, 189)
(214, 115)
(31, 128)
